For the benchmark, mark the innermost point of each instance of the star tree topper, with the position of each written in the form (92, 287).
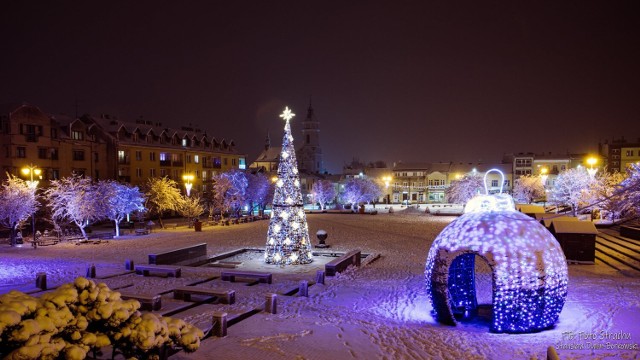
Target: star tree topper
(287, 114)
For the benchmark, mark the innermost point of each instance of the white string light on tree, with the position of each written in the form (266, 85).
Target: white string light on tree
(288, 235)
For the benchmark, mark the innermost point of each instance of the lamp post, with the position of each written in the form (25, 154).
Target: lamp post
(31, 170)
(188, 184)
(544, 174)
(387, 181)
(591, 170)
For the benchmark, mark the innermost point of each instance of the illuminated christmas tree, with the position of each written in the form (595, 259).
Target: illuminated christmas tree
(288, 235)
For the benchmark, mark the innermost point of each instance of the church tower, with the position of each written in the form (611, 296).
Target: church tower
(311, 153)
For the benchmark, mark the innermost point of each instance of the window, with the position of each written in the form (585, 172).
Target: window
(629, 152)
(152, 172)
(152, 156)
(243, 165)
(204, 174)
(138, 155)
(138, 172)
(196, 159)
(188, 156)
(21, 152)
(54, 133)
(54, 153)
(507, 183)
(233, 162)
(96, 158)
(55, 174)
(122, 157)
(175, 174)
(225, 161)
(77, 135)
(494, 183)
(30, 132)
(184, 142)
(42, 153)
(197, 174)
(134, 137)
(78, 155)
(217, 163)
(163, 172)
(164, 156)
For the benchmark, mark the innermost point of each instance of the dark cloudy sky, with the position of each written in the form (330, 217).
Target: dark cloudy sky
(392, 80)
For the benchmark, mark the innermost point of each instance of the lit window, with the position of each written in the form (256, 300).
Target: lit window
(196, 159)
(77, 135)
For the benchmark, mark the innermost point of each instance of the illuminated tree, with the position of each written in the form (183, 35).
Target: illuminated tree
(191, 208)
(17, 203)
(571, 188)
(288, 234)
(259, 191)
(358, 191)
(528, 188)
(627, 193)
(462, 190)
(229, 190)
(118, 200)
(75, 199)
(163, 195)
(323, 192)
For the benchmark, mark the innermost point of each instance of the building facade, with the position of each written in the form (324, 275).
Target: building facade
(107, 148)
(57, 145)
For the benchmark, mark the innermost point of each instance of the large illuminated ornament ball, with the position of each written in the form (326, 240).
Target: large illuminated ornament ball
(529, 269)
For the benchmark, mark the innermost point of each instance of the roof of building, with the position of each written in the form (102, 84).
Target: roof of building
(574, 227)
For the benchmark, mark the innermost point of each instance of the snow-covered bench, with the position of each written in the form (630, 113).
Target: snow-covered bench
(147, 302)
(185, 292)
(142, 231)
(168, 270)
(171, 225)
(183, 255)
(230, 275)
(337, 265)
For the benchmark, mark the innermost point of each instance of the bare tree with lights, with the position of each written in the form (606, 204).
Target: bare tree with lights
(259, 191)
(191, 208)
(358, 191)
(288, 234)
(119, 200)
(17, 202)
(76, 199)
(571, 188)
(323, 192)
(163, 195)
(528, 188)
(462, 190)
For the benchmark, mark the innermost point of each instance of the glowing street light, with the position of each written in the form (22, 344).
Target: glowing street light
(544, 174)
(31, 170)
(591, 170)
(188, 184)
(387, 180)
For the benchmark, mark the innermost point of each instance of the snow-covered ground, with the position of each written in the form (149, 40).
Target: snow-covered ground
(377, 311)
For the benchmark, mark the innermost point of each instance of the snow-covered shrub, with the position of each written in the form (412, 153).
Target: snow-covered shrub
(77, 318)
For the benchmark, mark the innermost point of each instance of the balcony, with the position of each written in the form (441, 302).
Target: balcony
(31, 138)
(165, 162)
(436, 187)
(177, 163)
(124, 161)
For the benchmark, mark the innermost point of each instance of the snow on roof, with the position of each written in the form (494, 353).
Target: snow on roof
(530, 209)
(548, 220)
(574, 227)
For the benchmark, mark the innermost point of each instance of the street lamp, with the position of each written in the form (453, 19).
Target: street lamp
(544, 174)
(591, 170)
(31, 170)
(387, 180)
(188, 184)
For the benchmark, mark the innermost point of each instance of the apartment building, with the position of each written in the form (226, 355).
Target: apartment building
(620, 153)
(107, 148)
(56, 145)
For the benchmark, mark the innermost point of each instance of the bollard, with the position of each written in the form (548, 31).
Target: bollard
(303, 289)
(219, 324)
(320, 277)
(128, 265)
(271, 304)
(41, 281)
(91, 271)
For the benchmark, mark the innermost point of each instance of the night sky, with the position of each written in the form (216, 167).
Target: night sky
(410, 81)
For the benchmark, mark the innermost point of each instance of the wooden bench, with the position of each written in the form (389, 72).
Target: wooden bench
(185, 292)
(340, 264)
(230, 275)
(147, 302)
(185, 254)
(169, 270)
(142, 231)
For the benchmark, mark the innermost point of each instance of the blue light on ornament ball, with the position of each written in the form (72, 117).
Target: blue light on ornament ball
(529, 269)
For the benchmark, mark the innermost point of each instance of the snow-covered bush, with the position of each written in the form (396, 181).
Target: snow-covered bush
(83, 316)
